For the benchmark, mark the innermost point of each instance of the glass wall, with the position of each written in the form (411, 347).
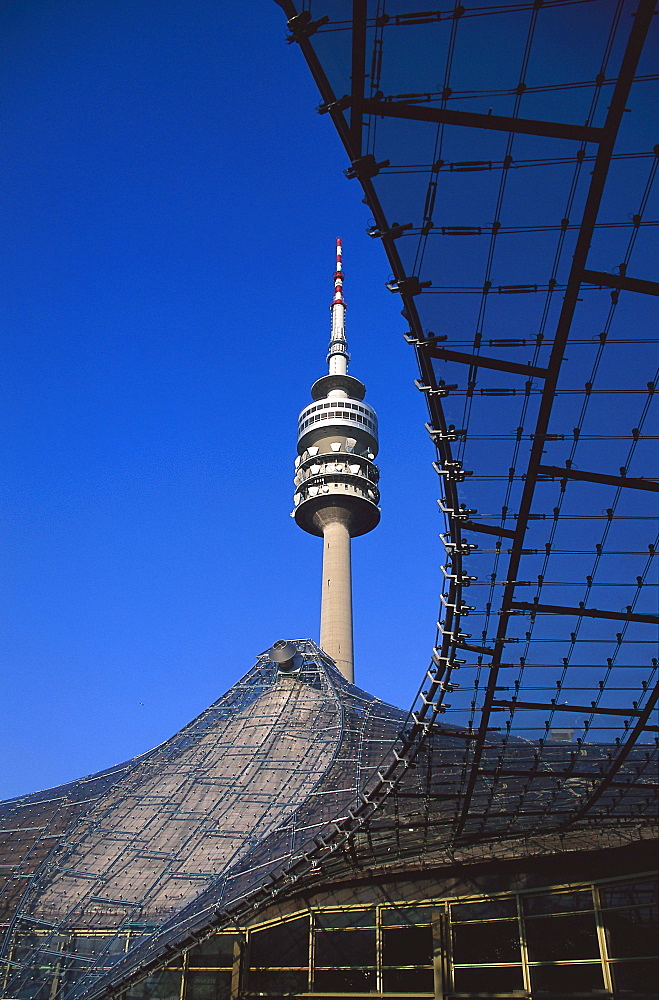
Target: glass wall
(579, 941)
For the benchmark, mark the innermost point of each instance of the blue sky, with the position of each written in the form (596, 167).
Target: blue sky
(170, 200)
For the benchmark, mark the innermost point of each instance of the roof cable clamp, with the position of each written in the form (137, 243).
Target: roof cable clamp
(365, 167)
(454, 637)
(463, 513)
(301, 26)
(452, 469)
(459, 609)
(452, 433)
(461, 578)
(428, 341)
(441, 389)
(463, 547)
(445, 662)
(339, 105)
(409, 285)
(395, 231)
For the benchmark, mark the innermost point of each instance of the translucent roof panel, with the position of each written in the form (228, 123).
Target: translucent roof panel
(505, 154)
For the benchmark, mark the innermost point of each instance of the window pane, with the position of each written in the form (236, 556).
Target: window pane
(346, 918)
(281, 945)
(208, 986)
(630, 894)
(484, 980)
(337, 948)
(568, 979)
(637, 977)
(345, 979)
(215, 952)
(407, 946)
(25, 945)
(559, 902)
(266, 981)
(495, 942)
(95, 944)
(484, 910)
(35, 990)
(560, 938)
(632, 932)
(406, 915)
(161, 986)
(407, 980)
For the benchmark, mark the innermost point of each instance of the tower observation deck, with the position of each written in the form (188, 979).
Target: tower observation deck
(336, 494)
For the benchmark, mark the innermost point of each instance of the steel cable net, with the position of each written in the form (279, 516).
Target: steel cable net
(506, 156)
(110, 870)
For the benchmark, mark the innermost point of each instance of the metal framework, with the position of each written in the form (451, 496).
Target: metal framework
(520, 170)
(126, 875)
(113, 871)
(511, 216)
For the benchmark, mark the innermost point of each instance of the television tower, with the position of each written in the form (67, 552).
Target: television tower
(336, 481)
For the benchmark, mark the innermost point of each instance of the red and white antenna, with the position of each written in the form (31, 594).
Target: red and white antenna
(338, 276)
(338, 356)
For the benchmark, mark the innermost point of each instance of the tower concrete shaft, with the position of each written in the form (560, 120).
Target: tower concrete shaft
(336, 494)
(336, 597)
